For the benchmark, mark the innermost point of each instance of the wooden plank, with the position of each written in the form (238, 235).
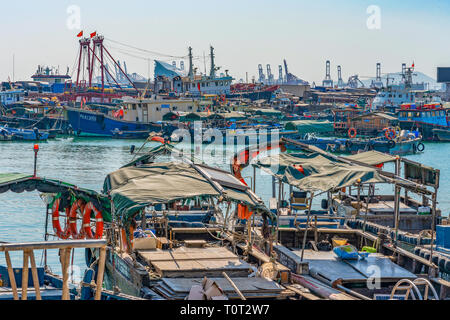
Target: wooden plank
(195, 230)
(234, 286)
(291, 260)
(35, 276)
(65, 260)
(53, 245)
(25, 275)
(306, 295)
(101, 270)
(12, 279)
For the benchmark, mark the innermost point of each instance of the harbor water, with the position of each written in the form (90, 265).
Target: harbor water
(86, 162)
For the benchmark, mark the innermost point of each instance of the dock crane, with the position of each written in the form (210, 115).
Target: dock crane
(340, 83)
(280, 74)
(262, 77)
(327, 82)
(269, 75)
(377, 83)
(354, 81)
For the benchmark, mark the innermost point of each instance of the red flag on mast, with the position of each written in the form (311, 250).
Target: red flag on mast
(80, 34)
(412, 65)
(93, 34)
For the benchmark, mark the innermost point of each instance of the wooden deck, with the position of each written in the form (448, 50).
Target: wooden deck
(191, 262)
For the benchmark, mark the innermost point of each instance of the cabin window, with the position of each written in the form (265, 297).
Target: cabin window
(217, 84)
(410, 115)
(203, 84)
(134, 107)
(193, 85)
(400, 95)
(174, 108)
(190, 108)
(157, 108)
(390, 95)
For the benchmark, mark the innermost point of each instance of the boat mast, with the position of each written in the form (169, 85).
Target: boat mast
(212, 73)
(191, 67)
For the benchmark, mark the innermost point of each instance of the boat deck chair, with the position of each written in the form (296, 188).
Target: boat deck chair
(299, 201)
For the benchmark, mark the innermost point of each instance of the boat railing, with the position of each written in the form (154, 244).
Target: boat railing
(65, 248)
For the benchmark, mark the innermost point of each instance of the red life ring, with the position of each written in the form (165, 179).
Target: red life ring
(79, 204)
(87, 222)
(390, 134)
(352, 133)
(55, 221)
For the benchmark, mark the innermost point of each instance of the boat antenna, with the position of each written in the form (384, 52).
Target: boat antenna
(36, 150)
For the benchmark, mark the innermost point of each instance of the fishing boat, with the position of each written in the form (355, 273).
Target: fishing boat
(131, 115)
(442, 134)
(423, 118)
(334, 263)
(32, 282)
(396, 144)
(405, 143)
(24, 134)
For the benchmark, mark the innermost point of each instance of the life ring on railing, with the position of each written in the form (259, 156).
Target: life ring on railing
(87, 222)
(389, 133)
(352, 132)
(77, 205)
(55, 221)
(420, 147)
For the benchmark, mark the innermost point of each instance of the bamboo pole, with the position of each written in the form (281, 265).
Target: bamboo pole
(234, 286)
(307, 225)
(65, 259)
(25, 275)
(12, 279)
(35, 276)
(101, 270)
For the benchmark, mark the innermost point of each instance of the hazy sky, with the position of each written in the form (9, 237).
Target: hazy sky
(243, 32)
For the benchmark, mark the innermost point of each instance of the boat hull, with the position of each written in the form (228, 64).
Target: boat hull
(425, 129)
(94, 124)
(442, 134)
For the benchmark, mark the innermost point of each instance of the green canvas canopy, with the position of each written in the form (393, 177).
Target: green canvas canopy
(18, 183)
(372, 157)
(228, 116)
(134, 188)
(308, 126)
(163, 150)
(316, 172)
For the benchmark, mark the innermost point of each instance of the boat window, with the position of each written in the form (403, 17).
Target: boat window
(390, 95)
(410, 115)
(217, 84)
(193, 85)
(203, 84)
(134, 107)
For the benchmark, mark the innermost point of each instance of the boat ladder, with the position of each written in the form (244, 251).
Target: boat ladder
(407, 285)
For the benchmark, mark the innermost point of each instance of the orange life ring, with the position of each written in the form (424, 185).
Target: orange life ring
(350, 131)
(79, 204)
(390, 134)
(87, 222)
(55, 221)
